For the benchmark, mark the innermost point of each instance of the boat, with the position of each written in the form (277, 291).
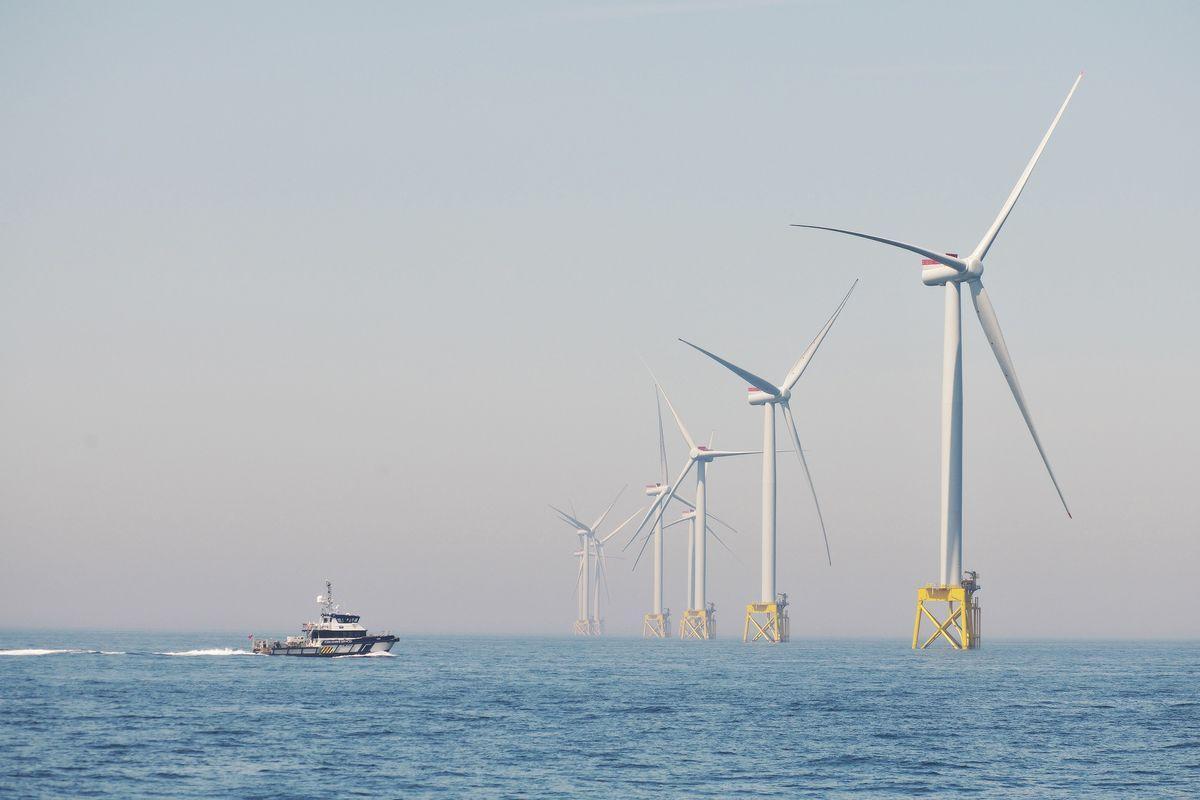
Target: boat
(335, 634)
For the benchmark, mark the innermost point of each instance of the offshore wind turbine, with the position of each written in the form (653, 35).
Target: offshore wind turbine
(697, 621)
(768, 617)
(657, 623)
(589, 622)
(951, 271)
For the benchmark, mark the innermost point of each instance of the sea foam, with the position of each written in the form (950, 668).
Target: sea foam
(212, 651)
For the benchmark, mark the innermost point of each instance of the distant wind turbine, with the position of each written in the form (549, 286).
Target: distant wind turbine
(699, 457)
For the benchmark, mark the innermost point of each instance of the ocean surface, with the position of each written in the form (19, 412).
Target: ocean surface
(128, 715)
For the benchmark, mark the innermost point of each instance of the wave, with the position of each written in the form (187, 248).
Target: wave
(41, 652)
(212, 651)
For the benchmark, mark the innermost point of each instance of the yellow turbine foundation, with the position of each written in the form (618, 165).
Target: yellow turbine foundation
(656, 626)
(961, 626)
(767, 622)
(699, 623)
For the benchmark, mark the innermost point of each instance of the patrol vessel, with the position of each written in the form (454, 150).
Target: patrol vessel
(335, 634)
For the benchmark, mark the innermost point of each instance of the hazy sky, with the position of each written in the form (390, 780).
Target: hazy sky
(297, 290)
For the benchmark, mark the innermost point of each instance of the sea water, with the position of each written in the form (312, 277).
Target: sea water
(127, 715)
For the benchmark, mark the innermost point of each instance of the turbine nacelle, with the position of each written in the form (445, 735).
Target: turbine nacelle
(935, 273)
(656, 489)
(757, 397)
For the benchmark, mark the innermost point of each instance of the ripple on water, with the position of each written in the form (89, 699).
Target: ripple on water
(448, 717)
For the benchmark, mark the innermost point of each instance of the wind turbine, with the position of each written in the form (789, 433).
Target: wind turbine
(657, 624)
(951, 271)
(697, 621)
(589, 622)
(769, 616)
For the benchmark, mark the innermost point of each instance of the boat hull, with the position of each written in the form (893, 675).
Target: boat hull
(365, 646)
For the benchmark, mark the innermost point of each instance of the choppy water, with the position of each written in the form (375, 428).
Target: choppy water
(540, 718)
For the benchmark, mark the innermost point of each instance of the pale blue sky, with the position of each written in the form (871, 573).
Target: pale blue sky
(290, 291)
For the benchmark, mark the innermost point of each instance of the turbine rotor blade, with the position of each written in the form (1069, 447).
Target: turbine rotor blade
(600, 521)
(727, 547)
(991, 329)
(687, 437)
(762, 384)
(645, 541)
(569, 519)
(662, 442)
(941, 258)
(727, 453)
(660, 504)
(658, 501)
(602, 571)
(791, 420)
(619, 527)
(709, 514)
(802, 364)
(579, 577)
(985, 243)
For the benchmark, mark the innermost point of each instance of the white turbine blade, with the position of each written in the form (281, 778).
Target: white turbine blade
(579, 577)
(810, 351)
(602, 572)
(687, 437)
(991, 329)
(662, 441)
(727, 547)
(610, 508)
(664, 501)
(758, 383)
(941, 258)
(791, 421)
(567, 518)
(727, 453)
(986, 242)
(619, 527)
(708, 514)
(676, 522)
(657, 509)
(658, 501)
(645, 541)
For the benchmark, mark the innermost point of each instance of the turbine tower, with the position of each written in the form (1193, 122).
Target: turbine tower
(698, 619)
(768, 617)
(589, 622)
(961, 628)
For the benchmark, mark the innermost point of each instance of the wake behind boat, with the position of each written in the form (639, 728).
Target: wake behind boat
(335, 634)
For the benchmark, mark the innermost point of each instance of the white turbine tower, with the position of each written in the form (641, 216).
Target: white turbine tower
(697, 622)
(589, 622)
(768, 617)
(950, 271)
